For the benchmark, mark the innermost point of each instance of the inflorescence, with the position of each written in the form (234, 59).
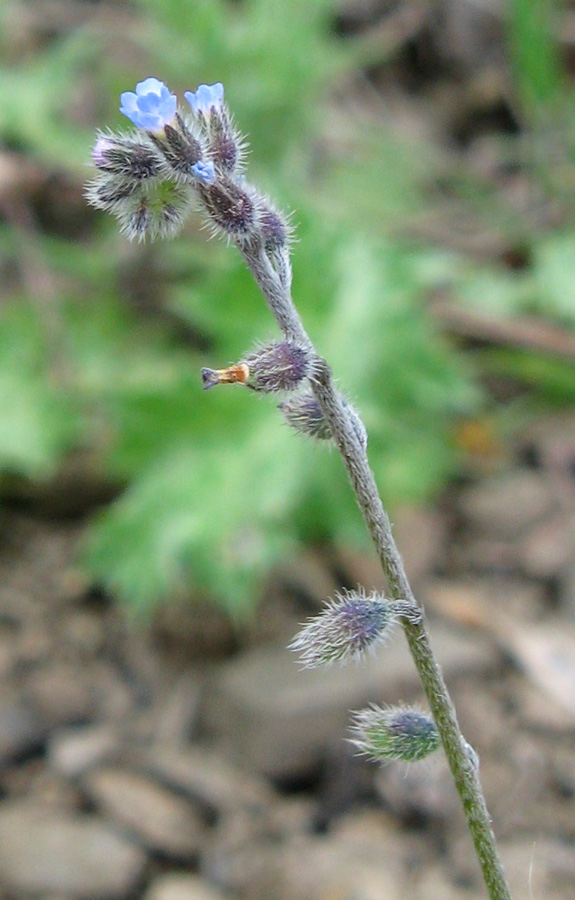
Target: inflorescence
(150, 180)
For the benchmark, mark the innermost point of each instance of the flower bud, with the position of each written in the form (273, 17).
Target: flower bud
(280, 366)
(180, 150)
(150, 213)
(224, 145)
(274, 228)
(394, 732)
(131, 158)
(110, 192)
(303, 414)
(230, 208)
(350, 625)
(277, 367)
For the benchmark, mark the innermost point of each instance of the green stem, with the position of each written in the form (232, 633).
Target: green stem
(461, 758)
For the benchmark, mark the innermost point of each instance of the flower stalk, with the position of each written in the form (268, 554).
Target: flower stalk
(462, 763)
(150, 182)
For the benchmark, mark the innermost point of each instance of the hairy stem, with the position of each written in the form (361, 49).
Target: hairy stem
(461, 758)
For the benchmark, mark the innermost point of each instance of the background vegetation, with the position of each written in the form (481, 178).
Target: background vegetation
(102, 342)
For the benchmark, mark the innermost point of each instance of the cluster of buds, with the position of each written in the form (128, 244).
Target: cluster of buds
(179, 160)
(150, 180)
(284, 366)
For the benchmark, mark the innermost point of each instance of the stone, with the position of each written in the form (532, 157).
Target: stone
(309, 578)
(548, 548)
(176, 716)
(278, 719)
(212, 781)
(162, 821)
(566, 591)
(44, 851)
(547, 656)
(506, 506)
(176, 886)
(435, 884)
(486, 602)
(420, 535)
(540, 867)
(420, 792)
(551, 440)
(72, 751)
(61, 692)
(22, 730)
(535, 866)
(308, 867)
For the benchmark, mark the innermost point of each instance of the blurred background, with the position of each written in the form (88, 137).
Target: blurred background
(159, 544)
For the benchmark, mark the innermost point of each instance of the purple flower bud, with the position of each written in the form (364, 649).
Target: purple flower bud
(273, 228)
(180, 150)
(224, 144)
(302, 413)
(349, 626)
(205, 98)
(230, 208)
(133, 158)
(394, 732)
(277, 367)
(109, 192)
(144, 211)
(151, 107)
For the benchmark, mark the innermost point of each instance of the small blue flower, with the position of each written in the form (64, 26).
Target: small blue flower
(205, 98)
(204, 171)
(151, 107)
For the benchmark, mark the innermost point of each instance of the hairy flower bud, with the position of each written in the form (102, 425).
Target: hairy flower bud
(230, 208)
(302, 413)
(350, 625)
(125, 165)
(274, 228)
(110, 192)
(182, 152)
(394, 732)
(131, 158)
(156, 210)
(277, 367)
(224, 144)
(280, 366)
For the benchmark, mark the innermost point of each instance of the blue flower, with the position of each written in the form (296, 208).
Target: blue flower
(151, 107)
(206, 97)
(204, 171)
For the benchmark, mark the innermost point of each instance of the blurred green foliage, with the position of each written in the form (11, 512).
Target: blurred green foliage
(215, 489)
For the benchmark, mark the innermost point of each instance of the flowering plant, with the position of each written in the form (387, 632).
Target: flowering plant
(150, 181)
